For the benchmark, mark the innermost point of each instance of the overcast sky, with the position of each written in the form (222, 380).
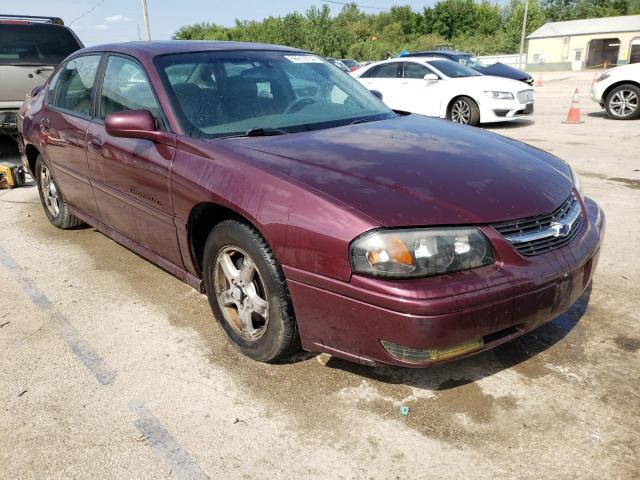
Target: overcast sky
(119, 20)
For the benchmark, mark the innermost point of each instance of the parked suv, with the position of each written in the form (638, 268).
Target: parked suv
(30, 49)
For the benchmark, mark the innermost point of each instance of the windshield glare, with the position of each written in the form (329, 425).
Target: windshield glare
(229, 93)
(453, 69)
(35, 44)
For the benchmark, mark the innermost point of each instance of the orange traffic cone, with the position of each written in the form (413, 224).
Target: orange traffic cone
(573, 116)
(604, 66)
(595, 77)
(539, 81)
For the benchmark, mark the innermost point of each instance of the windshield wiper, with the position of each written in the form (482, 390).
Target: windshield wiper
(264, 132)
(359, 120)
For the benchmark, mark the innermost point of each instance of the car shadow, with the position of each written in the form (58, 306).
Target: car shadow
(601, 114)
(485, 364)
(520, 123)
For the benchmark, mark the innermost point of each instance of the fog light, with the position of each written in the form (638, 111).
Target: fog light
(424, 355)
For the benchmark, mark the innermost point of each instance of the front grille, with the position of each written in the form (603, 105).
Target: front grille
(541, 234)
(525, 96)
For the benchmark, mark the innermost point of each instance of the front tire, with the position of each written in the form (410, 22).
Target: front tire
(55, 205)
(464, 110)
(248, 293)
(623, 102)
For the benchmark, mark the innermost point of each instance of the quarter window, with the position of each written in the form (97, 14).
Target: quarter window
(72, 86)
(125, 87)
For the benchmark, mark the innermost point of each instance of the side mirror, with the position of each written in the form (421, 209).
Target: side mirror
(431, 77)
(376, 93)
(136, 124)
(36, 91)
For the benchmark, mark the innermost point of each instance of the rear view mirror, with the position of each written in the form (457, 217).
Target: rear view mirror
(431, 77)
(376, 93)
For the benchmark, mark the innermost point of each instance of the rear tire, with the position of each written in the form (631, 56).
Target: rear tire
(55, 205)
(464, 110)
(623, 102)
(248, 293)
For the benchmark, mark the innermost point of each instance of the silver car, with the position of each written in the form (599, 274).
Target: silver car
(30, 49)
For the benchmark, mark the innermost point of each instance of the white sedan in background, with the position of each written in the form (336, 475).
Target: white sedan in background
(438, 87)
(618, 91)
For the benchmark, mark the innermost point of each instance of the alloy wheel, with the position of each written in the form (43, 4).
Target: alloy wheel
(624, 103)
(241, 293)
(461, 112)
(49, 191)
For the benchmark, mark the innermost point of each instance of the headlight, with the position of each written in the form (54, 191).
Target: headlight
(604, 76)
(419, 252)
(499, 95)
(577, 182)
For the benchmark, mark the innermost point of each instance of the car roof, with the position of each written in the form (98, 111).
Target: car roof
(150, 49)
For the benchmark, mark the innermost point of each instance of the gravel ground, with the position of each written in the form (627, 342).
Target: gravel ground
(111, 368)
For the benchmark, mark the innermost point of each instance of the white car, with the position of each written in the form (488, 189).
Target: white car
(438, 87)
(618, 91)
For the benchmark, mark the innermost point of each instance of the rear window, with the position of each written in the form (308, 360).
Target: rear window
(35, 44)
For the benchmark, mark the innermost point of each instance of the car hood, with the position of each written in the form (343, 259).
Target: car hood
(411, 171)
(501, 70)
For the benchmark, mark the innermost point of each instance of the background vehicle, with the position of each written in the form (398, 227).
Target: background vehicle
(30, 48)
(339, 64)
(618, 91)
(351, 64)
(438, 87)
(497, 69)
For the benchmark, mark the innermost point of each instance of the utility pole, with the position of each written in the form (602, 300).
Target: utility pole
(524, 29)
(145, 15)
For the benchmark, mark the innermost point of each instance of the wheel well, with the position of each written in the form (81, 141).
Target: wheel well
(202, 219)
(605, 94)
(32, 154)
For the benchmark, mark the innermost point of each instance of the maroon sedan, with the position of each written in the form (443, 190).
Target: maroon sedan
(310, 214)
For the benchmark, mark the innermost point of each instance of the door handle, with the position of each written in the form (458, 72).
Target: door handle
(95, 143)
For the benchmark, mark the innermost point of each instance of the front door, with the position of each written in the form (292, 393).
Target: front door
(63, 127)
(131, 177)
(419, 95)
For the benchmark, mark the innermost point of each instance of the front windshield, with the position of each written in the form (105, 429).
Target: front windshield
(229, 93)
(453, 69)
(471, 61)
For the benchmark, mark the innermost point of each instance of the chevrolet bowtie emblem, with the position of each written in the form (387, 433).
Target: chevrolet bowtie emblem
(560, 229)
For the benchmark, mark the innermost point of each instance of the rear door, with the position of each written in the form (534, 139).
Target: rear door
(63, 126)
(385, 78)
(131, 177)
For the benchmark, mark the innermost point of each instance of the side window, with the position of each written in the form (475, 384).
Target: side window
(72, 86)
(415, 70)
(125, 87)
(388, 70)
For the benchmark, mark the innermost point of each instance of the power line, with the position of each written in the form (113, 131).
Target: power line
(352, 3)
(87, 12)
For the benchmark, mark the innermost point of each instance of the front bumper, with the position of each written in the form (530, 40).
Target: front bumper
(495, 304)
(597, 90)
(492, 110)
